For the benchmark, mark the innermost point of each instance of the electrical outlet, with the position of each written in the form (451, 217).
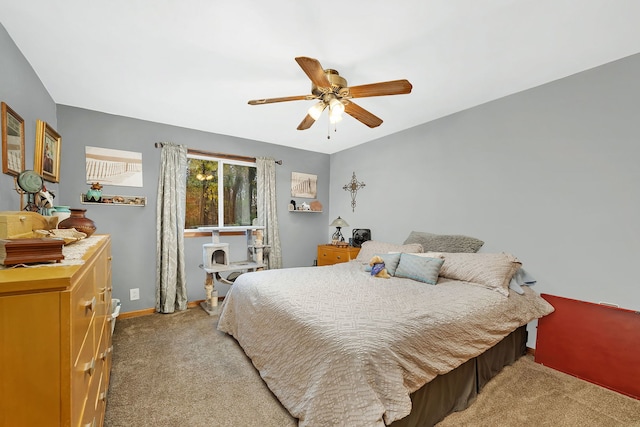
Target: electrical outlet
(134, 294)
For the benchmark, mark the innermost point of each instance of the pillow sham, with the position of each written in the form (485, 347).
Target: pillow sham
(490, 270)
(391, 261)
(444, 243)
(420, 268)
(373, 247)
(431, 254)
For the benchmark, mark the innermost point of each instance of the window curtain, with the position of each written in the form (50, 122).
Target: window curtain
(171, 283)
(267, 209)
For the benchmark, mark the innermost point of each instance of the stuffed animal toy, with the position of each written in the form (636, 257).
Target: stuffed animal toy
(378, 268)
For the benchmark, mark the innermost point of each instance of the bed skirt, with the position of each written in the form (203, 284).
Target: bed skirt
(456, 390)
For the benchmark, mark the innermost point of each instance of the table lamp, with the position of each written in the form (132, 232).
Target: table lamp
(337, 237)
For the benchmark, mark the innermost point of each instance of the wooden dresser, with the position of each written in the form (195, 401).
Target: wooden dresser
(332, 254)
(55, 341)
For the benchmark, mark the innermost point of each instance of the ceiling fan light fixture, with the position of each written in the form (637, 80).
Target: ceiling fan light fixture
(316, 110)
(335, 117)
(336, 107)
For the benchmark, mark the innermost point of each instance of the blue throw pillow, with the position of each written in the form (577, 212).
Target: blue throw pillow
(420, 268)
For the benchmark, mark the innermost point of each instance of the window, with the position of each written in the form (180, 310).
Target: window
(220, 192)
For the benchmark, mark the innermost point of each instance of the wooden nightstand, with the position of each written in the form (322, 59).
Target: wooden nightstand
(331, 254)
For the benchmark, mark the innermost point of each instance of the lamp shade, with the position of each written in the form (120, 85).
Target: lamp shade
(339, 222)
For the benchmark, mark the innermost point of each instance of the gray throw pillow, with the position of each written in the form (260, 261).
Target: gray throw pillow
(444, 243)
(422, 269)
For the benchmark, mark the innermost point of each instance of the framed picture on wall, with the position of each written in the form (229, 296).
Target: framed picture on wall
(12, 141)
(113, 167)
(304, 185)
(47, 152)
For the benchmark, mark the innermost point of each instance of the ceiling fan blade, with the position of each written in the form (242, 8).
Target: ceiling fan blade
(314, 71)
(362, 115)
(283, 99)
(306, 123)
(395, 87)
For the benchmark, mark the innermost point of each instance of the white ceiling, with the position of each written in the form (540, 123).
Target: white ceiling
(196, 63)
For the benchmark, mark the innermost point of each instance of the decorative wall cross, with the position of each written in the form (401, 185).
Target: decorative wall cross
(353, 187)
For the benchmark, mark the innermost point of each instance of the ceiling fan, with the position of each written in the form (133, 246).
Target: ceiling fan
(332, 92)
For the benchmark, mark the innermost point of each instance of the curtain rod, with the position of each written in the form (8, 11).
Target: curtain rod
(221, 155)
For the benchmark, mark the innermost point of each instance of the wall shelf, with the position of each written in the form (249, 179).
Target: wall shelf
(301, 211)
(111, 200)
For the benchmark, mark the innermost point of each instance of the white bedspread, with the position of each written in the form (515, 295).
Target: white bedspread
(341, 348)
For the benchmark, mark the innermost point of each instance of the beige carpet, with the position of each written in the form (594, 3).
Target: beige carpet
(178, 370)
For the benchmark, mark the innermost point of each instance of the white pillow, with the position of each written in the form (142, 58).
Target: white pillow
(373, 247)
(492, 271)
(431, 254)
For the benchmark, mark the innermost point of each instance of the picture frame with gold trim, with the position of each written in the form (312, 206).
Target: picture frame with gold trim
(47, 152)
(12, 141)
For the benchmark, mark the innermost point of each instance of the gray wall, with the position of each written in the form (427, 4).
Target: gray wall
(22, 90)
(133, 229)
(550, 175)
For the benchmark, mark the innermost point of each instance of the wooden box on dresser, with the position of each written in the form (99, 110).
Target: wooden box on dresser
(55, 341)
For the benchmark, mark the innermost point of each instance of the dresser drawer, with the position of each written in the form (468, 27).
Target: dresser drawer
(84, 305)
(93, 412)
(103, 292)
(85, 371)
(330, 254)
(91, 378)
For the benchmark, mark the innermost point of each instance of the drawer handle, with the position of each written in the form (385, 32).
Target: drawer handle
(338, 257)
(103, 294)
(103, 397)
(90, 304)
(106, 353)
(90, 367)
(91, 424)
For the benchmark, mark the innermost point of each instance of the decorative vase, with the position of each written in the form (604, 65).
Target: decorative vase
(62, 212)
(78, 221)
(95, 193)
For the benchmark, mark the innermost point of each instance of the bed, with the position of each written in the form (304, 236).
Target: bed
(338, 346)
